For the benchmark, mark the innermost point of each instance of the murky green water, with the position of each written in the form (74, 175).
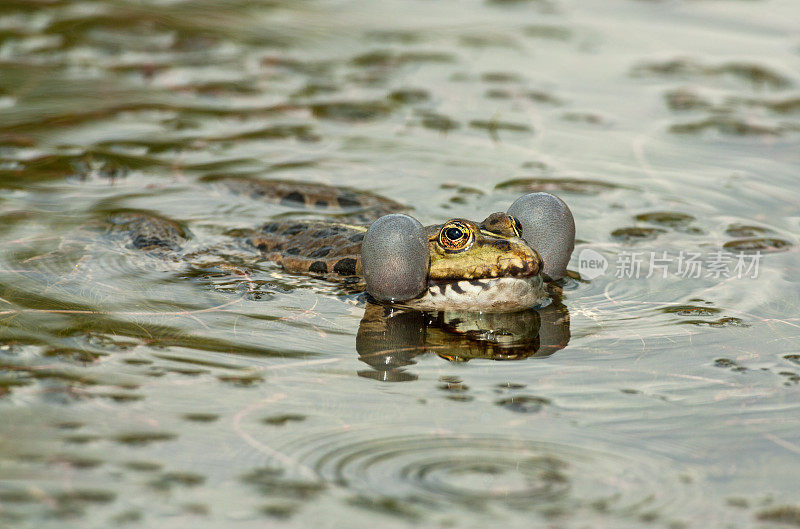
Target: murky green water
(146, 391)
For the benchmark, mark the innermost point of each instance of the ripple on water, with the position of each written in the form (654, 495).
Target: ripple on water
(491, 472)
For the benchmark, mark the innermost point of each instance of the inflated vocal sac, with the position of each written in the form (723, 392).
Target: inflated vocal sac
(549, 228)
(395, 258)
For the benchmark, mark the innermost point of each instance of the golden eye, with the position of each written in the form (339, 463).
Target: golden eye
(455, 237)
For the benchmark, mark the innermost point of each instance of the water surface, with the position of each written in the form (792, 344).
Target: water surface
(213, 389)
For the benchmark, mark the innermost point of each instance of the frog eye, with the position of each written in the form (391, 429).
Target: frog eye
(455, 236)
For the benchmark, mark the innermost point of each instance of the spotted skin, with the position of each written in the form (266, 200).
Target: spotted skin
(350, 204)
(148, 232)
(327, 249)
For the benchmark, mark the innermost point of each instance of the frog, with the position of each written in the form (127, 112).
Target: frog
(500, 264)
(366, 241)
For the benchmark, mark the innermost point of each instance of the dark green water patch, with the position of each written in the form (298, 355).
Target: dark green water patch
(281, 511)
(745, 230)
(386, 506)
(69, 425)
(143, 466)
(493, 126)
(59, 503)
(98, 163)
(282, 420)
(272, 482)
(685, 68)
(242, 381)
(727, 363)
(477, 40)
(201, 417)
(730, 126)
(510, 386)
(691, 310)
(760, 244)
(72, 460)
(351, 111)
(130, 516)
(590, 118)
(548, 32)
(85, 496)
(790, 105)
(671, 219)
(168, 480)
(501, 77)
(557, 185)
(454, 387)
(442, 123)
(498, 93)
(391, 59)
(314, 89)
(685, 99)
(82, 439)
(143, 438)
(785, 514)
(189, 372)
(523, 403)
(541, 96)
(18, 496)
(409, 96)
(728, 321)
(636, 234)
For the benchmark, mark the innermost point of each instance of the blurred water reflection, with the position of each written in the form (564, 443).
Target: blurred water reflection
(389, 339)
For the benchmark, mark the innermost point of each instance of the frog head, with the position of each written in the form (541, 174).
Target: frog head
(462, 265)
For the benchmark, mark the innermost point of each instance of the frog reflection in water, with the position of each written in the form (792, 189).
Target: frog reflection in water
(473, 275)
(389, 339)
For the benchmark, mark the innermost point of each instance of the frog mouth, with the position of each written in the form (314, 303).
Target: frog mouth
(492, 294)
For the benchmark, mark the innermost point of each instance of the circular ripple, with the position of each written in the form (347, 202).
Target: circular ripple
(486, 469)
(462, 478)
